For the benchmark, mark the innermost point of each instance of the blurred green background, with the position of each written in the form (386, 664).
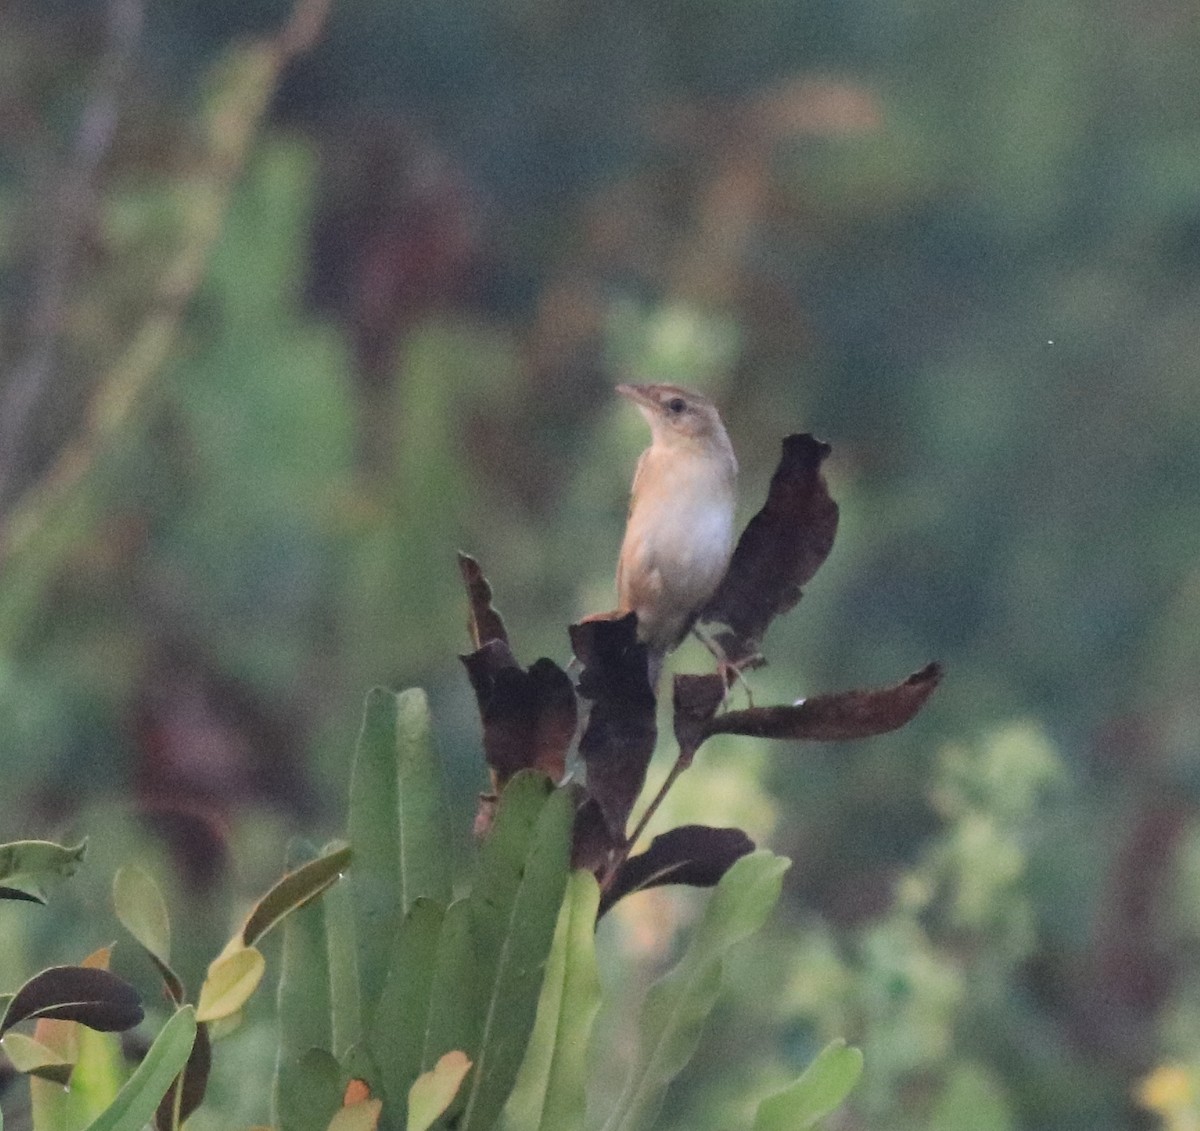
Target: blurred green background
(253, 397)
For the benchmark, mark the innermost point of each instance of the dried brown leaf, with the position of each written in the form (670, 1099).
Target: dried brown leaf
(619, 739)
(696, 855)
(484, 623)
(528, 717)
(779, 551)
(837, 717)
(697, 698)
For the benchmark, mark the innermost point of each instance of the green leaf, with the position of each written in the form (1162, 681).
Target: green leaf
(293, 891)
(231, 980)
(310, 1091)
(820, 1090)
(401, 1017)
(549, 1092)
(433, 1091)
(29, 868)
(136, 1102)
(143, 913)
(454, 1019)
(342, 958)
(397, 827)
(515, 901)
(305, 1023)
(141, 909)
(34, 1059)
(678, 1004)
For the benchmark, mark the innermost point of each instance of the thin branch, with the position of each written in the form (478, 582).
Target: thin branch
(234, 118)
(73, 201)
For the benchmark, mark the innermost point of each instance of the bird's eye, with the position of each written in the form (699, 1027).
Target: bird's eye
(676, 405)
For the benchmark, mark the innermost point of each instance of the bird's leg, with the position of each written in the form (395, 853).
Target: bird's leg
(729, 671)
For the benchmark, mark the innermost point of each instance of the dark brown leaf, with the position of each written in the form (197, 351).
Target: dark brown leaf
(592, 843)
(837, 717)
(528, 716)
(92, 997)
(690, 854)
(619, 739)
(195, 1083)
(779, 551)
(484, 622)
(697, 698)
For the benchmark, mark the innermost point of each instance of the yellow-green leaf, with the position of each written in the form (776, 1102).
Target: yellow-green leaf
(432, 1091)
(231, 980)
(362, 1116)
(35, 1059)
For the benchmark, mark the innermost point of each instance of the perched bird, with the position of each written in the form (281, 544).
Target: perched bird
(679, 533)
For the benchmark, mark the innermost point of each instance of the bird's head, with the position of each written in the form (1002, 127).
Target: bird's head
(679, 417)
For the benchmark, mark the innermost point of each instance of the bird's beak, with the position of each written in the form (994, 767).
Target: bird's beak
(637, 394)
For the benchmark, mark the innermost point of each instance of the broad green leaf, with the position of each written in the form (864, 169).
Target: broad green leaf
(231, 980)
(820, 1090)
(35, 1059)
(310, 1091)
(143, 913)
(454, 1019)
(141, 909)
(136, 1102)
(344, 1003)
(293, 891)
(549, 1092)
(397, 827)
(433, 1091)
(515, 901)
(678, 1004)
(302, 1003)
(398, 1031)
(29, 868)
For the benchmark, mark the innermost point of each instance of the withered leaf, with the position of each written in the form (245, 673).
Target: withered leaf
(592, 842)
(837, 717)
(195, 1083)
(619, 738)
(779, 551)
(92, 997)
(696, 855)
(528, 716)
(697, 698)
(484, 622)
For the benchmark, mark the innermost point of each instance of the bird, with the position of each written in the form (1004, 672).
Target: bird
(679, 531)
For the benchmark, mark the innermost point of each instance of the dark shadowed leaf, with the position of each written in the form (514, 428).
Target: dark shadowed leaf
(528, 716)
(485, 623)
(696, 855)
(195, 1083)
(779, 551)
(28, 868)
(94, 998)
(619, 739)
(837, 717)
(697, 698)
(592, 842)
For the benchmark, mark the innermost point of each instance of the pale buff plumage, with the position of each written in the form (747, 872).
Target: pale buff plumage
(679, 534)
